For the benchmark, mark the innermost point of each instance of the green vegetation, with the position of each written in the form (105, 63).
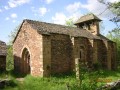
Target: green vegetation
(9, 62)
(114, 7)
(91, 81)
(114, 34)
(70, 22)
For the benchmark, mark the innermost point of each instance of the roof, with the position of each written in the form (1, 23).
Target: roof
(49, 28)
(3, 48)
(86, 18)
(103, 37)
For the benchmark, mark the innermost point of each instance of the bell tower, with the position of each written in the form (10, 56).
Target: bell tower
(89, 22)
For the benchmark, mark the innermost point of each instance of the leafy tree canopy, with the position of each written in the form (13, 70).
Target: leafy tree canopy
(115, 9)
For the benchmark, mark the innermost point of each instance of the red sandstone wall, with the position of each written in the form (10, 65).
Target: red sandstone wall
(102, 53)
(61, 53)
(56, 53)
(30, 39)
(84, 45)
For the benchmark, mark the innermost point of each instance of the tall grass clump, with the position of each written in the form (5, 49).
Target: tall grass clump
(52, 83)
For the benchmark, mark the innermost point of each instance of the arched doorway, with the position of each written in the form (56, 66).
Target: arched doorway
(25, 61)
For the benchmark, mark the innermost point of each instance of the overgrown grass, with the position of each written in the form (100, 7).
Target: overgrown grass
(91, 81)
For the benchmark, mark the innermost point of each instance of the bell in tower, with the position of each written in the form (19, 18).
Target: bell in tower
(89, 22)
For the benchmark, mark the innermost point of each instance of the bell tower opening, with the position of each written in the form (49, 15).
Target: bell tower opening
(89, 22)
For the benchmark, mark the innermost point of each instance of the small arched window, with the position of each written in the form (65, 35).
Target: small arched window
(80, 54)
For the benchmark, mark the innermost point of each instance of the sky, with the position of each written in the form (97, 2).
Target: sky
(13, 12)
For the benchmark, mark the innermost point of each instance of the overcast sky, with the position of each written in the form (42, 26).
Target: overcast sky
(12, 12)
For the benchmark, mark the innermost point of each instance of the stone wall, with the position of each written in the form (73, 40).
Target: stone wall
(114, 53)
(30, 39)
(95, 51)
(101, 53)
(111, 55)
(56, 53)
(46, 55)
(61, 53)
(83, 50)
(105, 53)
(94, 28)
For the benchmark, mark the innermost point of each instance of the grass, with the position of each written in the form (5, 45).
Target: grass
(62, 82)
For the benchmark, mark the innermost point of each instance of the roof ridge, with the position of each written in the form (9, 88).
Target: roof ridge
(47, 23)
(53, 30)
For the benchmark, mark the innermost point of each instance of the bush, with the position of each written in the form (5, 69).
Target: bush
(9, 60)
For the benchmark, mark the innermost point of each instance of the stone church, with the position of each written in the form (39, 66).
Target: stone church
(3, 53)
(42, 49)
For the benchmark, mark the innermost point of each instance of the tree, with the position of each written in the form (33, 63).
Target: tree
(9, 62)
(114, 35)
(70, 22)
(115, 9)
(13, 34)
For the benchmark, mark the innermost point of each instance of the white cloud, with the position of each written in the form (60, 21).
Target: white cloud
(0, 10)
(6, 7)
(13, 21)
(42, 11)
(113, 1)
(13, 15)
(73, 7)
(34, 10)
(39, 11)
(49, 1)
(75, 16)
(97, 8)
(15, 3)
(75, 11)
(92, 6)
(59, 18)
(7, 18)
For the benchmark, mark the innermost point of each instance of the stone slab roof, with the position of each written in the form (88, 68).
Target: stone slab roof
(87, 17)
(3, 48)
(49, 28)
